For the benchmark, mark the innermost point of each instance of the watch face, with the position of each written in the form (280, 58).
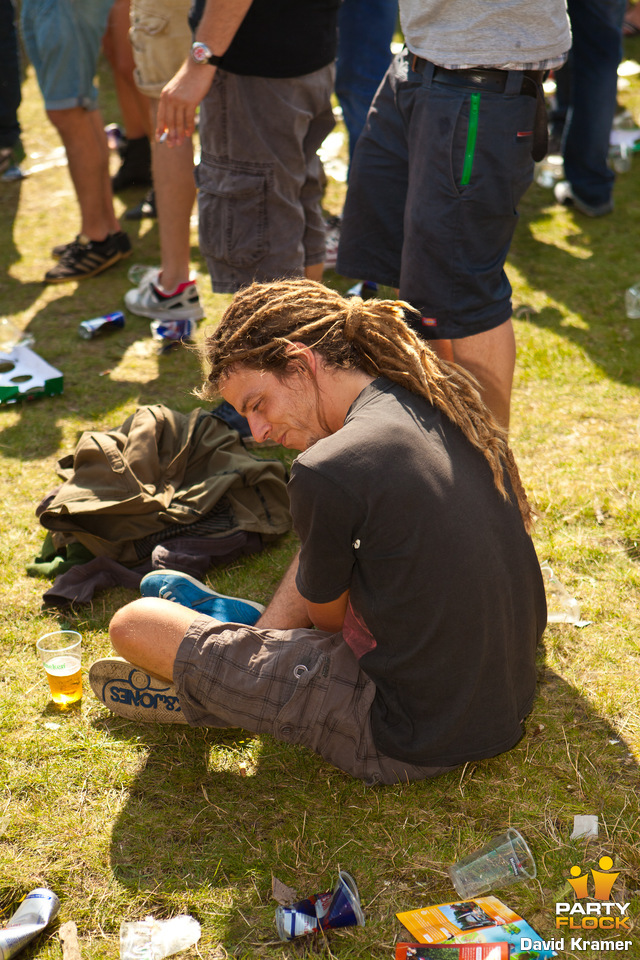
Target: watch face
(200, 52)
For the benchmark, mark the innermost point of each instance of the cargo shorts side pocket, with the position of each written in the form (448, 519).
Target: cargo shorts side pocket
(233, 211)
(296, 721)
(144, 24)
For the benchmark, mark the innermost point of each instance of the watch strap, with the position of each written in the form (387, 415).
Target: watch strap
(215, 60)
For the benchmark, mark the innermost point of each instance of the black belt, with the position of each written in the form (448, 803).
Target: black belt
(495, 81)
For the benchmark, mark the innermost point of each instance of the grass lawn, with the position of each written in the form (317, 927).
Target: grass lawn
(124, 820)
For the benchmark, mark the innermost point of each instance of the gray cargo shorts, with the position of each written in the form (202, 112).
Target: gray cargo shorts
(260, 180)
(300, 686)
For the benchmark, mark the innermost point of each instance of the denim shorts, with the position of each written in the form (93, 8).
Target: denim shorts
(300, 686)
(432, 200)
(260, 180)
(160, 39)
(62, 39)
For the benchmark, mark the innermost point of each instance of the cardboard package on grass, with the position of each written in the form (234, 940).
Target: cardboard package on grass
(481, 920)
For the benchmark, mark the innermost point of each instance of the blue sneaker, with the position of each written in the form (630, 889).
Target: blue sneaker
(181, 588)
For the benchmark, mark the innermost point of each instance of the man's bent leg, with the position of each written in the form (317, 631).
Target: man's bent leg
(314, 271)
(148, 633)
(303, 687)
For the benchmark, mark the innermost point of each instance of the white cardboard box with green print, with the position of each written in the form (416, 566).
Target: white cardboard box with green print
(24, 375)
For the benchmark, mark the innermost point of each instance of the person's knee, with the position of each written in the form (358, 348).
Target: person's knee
(67, 121)
(129, 623)
(119, 627)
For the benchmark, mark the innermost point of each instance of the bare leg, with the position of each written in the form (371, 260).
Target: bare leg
(443, 348)
(149, 631)
(287, 609)
(314, 271)
(491, 358)
(117, 49)
(175, 195)
(632, 17)
(106, 193)
(85, 142)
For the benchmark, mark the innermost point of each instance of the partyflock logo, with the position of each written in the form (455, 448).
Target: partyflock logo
(600, 912)
(593, 911)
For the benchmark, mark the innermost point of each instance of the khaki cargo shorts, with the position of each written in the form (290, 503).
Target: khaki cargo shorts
(161, 40)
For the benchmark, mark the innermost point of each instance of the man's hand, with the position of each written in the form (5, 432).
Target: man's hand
(181, 96)
(179, 100)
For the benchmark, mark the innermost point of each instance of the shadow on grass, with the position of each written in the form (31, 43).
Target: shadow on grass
(19, 295)
(585, 267)
(194, 827)
(94, 387)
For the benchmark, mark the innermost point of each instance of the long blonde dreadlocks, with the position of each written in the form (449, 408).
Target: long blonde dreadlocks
(265, 319)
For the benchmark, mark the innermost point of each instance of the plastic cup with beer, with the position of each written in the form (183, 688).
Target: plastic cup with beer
(61, 654)
(502, 861)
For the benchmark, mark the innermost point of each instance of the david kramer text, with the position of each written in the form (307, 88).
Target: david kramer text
(577, 943)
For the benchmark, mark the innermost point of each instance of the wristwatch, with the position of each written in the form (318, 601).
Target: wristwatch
(200, 53)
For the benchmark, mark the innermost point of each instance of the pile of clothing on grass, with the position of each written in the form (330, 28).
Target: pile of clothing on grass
(164, 490)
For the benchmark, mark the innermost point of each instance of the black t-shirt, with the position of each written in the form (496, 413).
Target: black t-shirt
(280, 38)
(446, 600)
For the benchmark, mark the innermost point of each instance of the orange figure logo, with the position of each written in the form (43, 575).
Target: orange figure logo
(603, 882)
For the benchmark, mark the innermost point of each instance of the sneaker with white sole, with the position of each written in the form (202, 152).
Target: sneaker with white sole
(189, 592)
(564, 194)
(132, 693)
(147, 300)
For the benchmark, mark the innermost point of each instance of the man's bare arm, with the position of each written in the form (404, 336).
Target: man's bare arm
(288, 609)
(182, 94)
(329, 616)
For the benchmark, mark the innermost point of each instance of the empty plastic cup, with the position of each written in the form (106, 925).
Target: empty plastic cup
(504, 860)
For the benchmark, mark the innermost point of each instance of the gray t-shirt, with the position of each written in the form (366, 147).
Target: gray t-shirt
(446, 601)
(487, 33)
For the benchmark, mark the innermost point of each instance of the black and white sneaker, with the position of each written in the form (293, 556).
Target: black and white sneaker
(122, 238)
(86, 258)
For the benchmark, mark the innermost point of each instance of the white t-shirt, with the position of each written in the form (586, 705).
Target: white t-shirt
(511, 34)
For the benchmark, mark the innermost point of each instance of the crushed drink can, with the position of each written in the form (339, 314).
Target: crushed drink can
(88, 329)
(36, 911)
(175, 330)
(297, 920)
(322, 911)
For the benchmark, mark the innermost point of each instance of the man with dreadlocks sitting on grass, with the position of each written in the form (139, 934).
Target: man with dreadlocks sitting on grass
(402, 640)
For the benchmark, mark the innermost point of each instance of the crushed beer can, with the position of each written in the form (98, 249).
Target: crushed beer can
(36, 912)
(171, 333)
(172, 329)
(322, 911)
(88, 329)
